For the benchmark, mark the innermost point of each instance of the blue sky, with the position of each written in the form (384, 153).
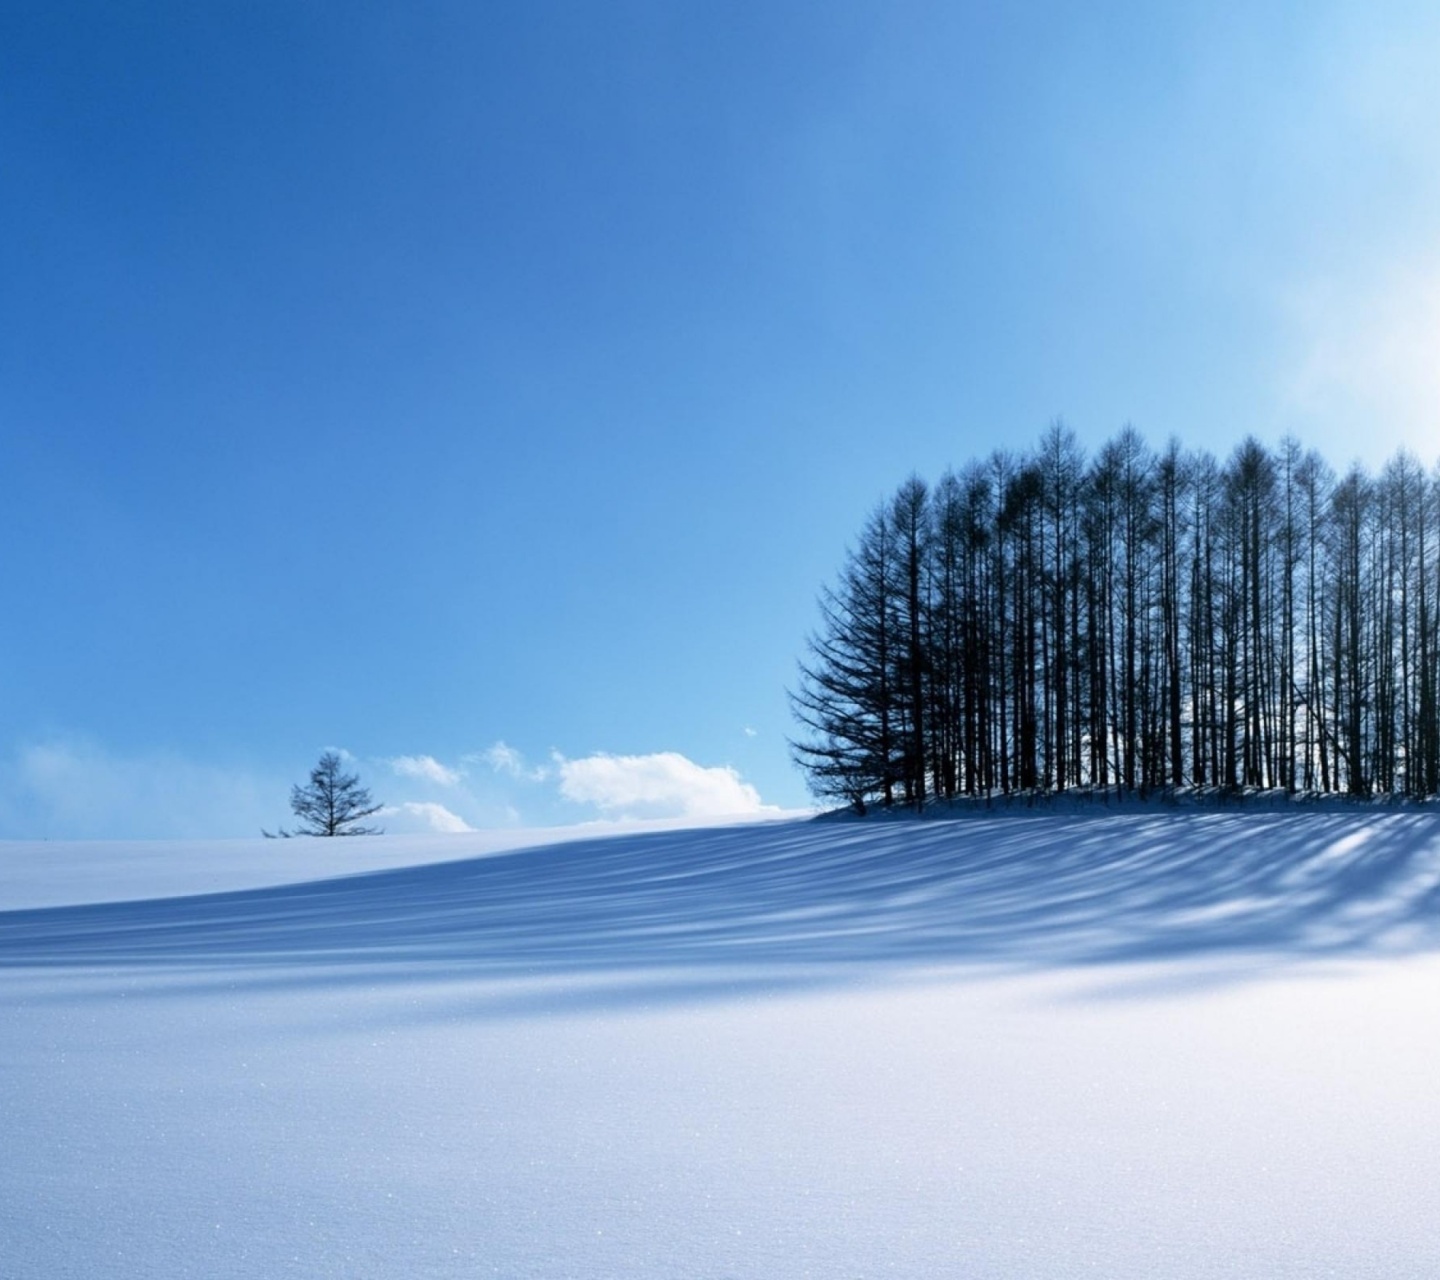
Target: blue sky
(494, 386)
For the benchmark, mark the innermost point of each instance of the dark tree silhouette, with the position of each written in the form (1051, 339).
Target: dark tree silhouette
(848, 700)
(1037, 622)
(333, 803)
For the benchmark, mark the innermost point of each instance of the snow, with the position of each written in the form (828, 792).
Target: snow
(1120, 1045)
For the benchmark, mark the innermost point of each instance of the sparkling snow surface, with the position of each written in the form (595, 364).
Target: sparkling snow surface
(1139, 1045)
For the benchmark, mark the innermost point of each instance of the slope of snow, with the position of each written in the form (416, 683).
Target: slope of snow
(1123, 1045)
(45, 873)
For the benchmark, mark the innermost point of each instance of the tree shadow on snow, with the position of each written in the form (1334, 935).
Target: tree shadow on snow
(693, 914)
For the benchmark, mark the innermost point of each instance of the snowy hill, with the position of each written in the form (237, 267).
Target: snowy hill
(1135, 1044)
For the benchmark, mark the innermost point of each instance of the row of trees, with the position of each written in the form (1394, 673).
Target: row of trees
(1139, 620)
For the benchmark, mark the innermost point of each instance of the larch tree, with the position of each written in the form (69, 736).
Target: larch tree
(1035, 622)
(332, 803)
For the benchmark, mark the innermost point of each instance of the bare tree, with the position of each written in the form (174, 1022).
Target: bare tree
(1143, 621)
(333, 803)
(848, 701)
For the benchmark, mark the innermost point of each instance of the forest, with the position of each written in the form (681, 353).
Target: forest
(1133, 621)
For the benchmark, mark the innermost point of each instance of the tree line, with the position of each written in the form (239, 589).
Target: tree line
(1140, 620)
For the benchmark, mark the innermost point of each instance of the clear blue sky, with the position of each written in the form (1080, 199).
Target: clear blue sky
(417, 378)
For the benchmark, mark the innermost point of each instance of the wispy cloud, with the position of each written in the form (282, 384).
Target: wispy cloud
(423, 815)
(426, 768)
(1368, 353)
(506, 760)
(1359, 372)
(77, 789)
(664, 784)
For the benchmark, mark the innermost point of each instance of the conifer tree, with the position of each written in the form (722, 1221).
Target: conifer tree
(332, 803)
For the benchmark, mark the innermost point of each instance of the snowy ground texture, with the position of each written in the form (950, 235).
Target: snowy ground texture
(1114, 1045)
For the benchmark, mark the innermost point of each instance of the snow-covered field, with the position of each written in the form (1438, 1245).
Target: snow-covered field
(1114, 1045)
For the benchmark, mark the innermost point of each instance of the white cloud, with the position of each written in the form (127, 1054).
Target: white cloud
(749, 732)
(503, 758)
(79, 789)
(427, 768)
(662, 785)
(425, 816)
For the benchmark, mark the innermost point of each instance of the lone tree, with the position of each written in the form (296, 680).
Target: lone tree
(333, 804)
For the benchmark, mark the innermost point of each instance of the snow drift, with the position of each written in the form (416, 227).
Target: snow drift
(1126, 1044)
